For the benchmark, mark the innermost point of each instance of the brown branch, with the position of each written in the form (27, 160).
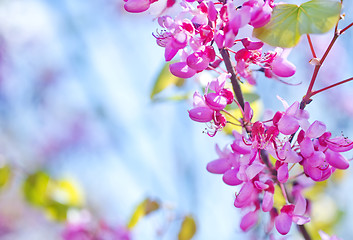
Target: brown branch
(236, 87)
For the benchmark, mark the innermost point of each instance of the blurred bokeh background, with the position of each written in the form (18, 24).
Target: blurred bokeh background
(82, 144)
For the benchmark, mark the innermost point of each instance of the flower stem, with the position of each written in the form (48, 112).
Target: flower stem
(304, 232)
(346, 28)
(311, 45)
(331, 86)
(309, 93)
(236, 87)
(306, 99)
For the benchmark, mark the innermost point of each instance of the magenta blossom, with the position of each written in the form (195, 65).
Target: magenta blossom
(137, 6)
(207, 107)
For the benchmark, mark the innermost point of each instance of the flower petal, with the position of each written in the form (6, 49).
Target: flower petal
(283, 223)
(248, 221)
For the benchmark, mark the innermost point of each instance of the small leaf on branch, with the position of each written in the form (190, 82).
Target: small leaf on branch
(144, 208)
(188, 228)
(290, 21)
(164, 80)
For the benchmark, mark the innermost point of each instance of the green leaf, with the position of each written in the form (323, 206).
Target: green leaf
(251, 97)
(35, 188)
(164, 80)
(144, 208)
(188, 228)
(55, 197)
(290, 21)
(5, 174)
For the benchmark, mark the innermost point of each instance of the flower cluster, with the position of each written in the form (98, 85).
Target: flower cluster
(216, 25)
(289, 139)
(266, 155)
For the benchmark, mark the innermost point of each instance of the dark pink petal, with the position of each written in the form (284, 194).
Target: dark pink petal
(212, 12)
(137, 6)
(248, 221)
(336, 160)
(170, 52)
(260, 185)
(230, 177)
(182, 70)
(198, 61)
(306, 147)
(170, 3)
(317, 159)
(228, 95)
(188, 26)
(244, 196)
(248, 112)
(288, 209)
(267, 201)
(339, 144)
(313, 172)
(261, 16)
(316, 129)
(239, 149)
(288, 125)
(282, 67)
(179, 40)
(219, 39)
(250, 45)
(327, 173)
(215, 101)
(210, 53)
(218, 166)
(282, 173)
(254, 169)
(201, 114)
(283, 223)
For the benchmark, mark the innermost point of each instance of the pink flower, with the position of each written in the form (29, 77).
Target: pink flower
(201, 112)
(260, 13)
(290, 213)
(282, 67)
(208, 107)
(249, 220)
(201, 59)
(182, 70)
(137, 6)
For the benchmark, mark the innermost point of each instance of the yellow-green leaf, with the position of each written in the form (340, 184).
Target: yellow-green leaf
(55, 197)
(144, 208)
(5, 174)
(35, 188)
(290, 21)
(188, 228)
(164, 80)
